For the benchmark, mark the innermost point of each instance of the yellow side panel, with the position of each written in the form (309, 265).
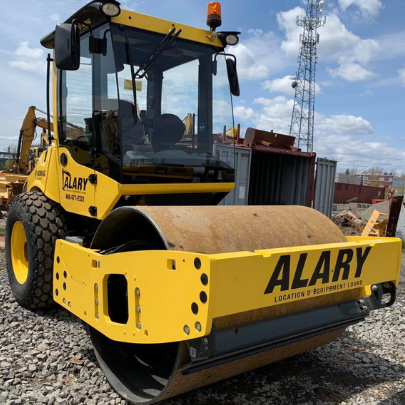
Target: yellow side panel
(382, 259)
(148, 23)
(52, 189)
(164, 300)
(179, 289)
(107, 193)
(76, 191)
(244, 282)
(41, 172)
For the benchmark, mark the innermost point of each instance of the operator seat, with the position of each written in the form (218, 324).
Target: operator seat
(132, 133)
(167, 131)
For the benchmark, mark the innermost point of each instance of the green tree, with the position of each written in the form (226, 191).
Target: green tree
(9, 164)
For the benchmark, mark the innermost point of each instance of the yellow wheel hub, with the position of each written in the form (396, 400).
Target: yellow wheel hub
(19, 252)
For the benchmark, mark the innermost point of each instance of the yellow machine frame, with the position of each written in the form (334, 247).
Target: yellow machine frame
(232, 282)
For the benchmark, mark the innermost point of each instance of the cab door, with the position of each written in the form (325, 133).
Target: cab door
(76, 158)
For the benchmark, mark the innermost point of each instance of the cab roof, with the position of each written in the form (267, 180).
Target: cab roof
(92, 14)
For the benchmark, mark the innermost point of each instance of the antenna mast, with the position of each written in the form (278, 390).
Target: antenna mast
(302, 121)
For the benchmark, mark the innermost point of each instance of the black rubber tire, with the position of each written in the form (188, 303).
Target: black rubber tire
(44, 222)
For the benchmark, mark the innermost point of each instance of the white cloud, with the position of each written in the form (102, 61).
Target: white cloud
(340, 136)
(401, 73)
(287, 21)
(28, 66)
(342, 124)
(352, 72)
(259, 55)
(26, 52)
(248, 68)
(353, 151)
(392, 45)
(364, 51)
(245, 113)
(275, 114)
(368, 8)
(29, 59)
(337, 44)
(283, 85)
(278, 107)
(335, 38)
(222, 115)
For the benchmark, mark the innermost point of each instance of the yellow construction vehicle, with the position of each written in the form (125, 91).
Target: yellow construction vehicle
(27, 156)
(118, 221)
(25, 159)
(12, 181)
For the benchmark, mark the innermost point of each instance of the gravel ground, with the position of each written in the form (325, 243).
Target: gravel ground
(47, 358)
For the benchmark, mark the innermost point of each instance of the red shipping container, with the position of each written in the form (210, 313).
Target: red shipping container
(364, 194)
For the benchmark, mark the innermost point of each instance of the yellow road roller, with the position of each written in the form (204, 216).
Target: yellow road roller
(119, 221)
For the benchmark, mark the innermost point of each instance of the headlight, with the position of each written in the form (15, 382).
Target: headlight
(110, 9)
(232, 39)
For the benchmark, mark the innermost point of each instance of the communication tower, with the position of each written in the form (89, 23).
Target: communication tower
(302, 121)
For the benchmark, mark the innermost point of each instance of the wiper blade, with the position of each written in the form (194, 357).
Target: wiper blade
(167, 41)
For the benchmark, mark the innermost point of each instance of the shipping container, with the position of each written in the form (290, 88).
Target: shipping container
(270, 170)
(324, 186)
(281, 177)
(360, 194)
(240, 158)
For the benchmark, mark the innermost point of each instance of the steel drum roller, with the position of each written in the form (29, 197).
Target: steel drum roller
(148, 373)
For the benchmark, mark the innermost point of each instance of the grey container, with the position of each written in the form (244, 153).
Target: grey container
(281, 177)
(240, 158)
(325, 186)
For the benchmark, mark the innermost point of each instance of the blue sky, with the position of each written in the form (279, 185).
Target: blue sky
(360, 75)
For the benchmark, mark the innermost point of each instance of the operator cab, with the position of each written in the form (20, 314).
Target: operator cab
(125, 98)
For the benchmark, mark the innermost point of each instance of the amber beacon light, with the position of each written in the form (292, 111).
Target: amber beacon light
(214, 19)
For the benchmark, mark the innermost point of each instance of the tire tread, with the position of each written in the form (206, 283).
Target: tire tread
(46, 223)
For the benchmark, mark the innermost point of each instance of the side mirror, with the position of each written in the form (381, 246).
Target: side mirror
(67, 46)
(233, 77)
